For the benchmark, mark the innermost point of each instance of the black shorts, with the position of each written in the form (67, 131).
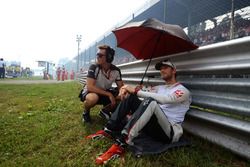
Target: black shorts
(104, 100)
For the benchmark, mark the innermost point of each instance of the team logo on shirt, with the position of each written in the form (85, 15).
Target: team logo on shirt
(178, 93)
(90, 70)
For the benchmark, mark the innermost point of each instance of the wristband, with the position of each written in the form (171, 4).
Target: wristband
(136, 90)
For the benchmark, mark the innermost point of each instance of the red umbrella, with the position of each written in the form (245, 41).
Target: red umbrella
(151, 38)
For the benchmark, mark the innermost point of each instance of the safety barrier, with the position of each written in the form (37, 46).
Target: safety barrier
(82, 77)
(218, 77)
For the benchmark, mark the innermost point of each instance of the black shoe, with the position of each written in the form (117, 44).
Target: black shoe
(86, 117)
(121, 140)
(105, 114)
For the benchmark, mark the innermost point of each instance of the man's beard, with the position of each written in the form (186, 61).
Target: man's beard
(166, 77)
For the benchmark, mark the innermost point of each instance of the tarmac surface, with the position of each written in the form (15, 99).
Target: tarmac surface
(19, 82)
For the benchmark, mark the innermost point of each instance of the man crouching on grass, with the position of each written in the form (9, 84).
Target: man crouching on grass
(163, 110)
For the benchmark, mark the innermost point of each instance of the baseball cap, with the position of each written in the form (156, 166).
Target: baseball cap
(164, 63)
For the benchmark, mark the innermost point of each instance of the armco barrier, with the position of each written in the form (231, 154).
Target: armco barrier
(218, 77)
(82, 77)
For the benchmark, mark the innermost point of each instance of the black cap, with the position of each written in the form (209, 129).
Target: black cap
(164, 63)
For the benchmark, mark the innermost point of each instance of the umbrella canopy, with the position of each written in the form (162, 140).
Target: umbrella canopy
(151, 38)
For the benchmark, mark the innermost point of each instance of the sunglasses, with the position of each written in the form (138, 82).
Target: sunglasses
(99, 55)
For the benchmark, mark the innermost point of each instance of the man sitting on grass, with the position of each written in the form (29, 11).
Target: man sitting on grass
(159, 115)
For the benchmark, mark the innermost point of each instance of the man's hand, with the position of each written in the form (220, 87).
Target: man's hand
(123, 93)
(127, 89)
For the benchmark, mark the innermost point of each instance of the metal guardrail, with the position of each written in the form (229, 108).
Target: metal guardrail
(82, 77)
(218, 77)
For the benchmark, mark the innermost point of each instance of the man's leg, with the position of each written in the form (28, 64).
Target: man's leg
(118, 119)
(108, 109)
(116, 123)
(105, 111)
(127, 106)
(154, 130)
(142, 116)
(1, 71)
(91, 100)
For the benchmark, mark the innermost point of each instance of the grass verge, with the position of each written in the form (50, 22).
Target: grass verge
(41, 125)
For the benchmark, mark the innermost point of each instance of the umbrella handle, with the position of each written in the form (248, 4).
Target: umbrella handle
(141, 83)
(158, 39)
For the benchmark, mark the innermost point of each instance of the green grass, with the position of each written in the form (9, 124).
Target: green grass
(26, 78)
(40, 125)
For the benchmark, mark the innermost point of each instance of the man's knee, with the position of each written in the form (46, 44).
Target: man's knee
(91, 99)
(148, 100)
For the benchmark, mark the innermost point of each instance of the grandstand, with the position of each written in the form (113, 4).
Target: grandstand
(205, 22)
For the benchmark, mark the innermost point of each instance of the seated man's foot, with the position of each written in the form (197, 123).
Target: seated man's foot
(115, 151)
(105, 114)
(98, 135)
(101, 134)
(86, 117)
